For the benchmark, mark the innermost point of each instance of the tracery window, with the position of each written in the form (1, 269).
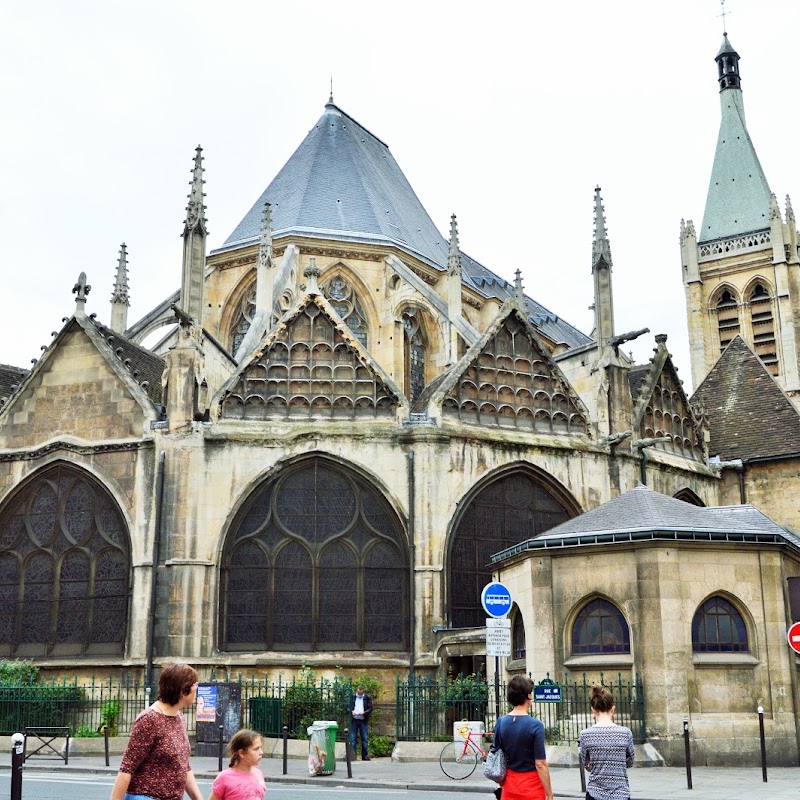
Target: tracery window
(600, 628)
(346, 302)
(718, 627)
(64, 568)
(315, 560)
(414, 338)
(763, 325)
(727, 319)
(244, 318)
(510, 510)
(518, 649)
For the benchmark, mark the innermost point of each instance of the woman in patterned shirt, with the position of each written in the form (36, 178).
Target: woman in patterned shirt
(606, 750)
(156, 761)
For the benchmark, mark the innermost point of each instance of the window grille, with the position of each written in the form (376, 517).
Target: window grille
(718, 627)
(727, 319)
(763, 324)
(316, 560)
(508, 511)
(64, 568)
(600, 628)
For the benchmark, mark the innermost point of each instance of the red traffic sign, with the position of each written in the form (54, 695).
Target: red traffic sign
(793, 635)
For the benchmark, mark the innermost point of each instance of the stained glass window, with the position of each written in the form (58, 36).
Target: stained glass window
(414, 355)
(600, 628)
(315, 560)
(508, 511)
(718, 627)
(345, 301)
(64, 568)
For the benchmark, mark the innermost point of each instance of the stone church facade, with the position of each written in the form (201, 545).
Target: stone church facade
(346, 418)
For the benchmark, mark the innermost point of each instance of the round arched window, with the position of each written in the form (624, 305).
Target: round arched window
(316, 560)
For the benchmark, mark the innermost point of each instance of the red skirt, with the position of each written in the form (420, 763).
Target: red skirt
(523, 786)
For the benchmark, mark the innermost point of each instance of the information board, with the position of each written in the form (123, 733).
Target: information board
(498, 637)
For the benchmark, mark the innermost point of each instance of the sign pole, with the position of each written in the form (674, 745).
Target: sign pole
(496, 689)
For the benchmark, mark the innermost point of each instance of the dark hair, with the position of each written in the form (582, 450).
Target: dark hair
(601, 698)
(175, 680)
(519, 687)
(241, 740)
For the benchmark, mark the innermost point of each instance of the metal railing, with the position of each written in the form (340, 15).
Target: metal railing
(427, 708)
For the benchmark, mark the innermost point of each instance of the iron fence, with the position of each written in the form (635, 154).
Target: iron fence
(427, 708)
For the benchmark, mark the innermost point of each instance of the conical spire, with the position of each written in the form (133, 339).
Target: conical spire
(120, 301)
(600, 245)
(738, 199)
(194, 246)
(454, 256)
(601, 270)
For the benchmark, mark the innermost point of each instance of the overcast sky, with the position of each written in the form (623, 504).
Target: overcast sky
(507, 114)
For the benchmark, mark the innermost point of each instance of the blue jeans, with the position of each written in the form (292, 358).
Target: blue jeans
(136, 797)
(359, 726)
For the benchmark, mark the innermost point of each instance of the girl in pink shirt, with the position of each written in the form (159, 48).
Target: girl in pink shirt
(243, 780)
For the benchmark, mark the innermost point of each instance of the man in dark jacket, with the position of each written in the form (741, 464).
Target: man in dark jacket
(360, 709)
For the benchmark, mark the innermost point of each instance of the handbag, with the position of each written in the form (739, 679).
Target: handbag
(495, 767)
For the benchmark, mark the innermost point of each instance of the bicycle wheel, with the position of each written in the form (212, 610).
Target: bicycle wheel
(458, 760)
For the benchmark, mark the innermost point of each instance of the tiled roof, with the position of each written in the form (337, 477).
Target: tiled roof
(749, 416)
(10, 378)
(636, 378)
(642, 514)
(343, 183)
(147, 366)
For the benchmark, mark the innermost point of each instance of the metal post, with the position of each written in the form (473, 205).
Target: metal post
(221, 746)
(763, 743)
(583, 773)
(105, 736)
(496, 689)
(688, 752)
(285, 749)
(347, 753)
(17, 760)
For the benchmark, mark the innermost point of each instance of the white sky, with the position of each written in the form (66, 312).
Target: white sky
(507, 114)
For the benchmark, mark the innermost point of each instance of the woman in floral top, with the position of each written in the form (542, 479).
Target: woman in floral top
(156, 761)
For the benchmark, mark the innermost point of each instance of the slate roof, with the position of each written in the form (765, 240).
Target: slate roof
(342, 182)
(137, 359)
(738, 199)
(636, 378)
(642, 514)
(10, 378)
(749, 416)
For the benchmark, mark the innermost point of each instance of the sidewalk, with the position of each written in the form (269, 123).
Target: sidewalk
(655, 783)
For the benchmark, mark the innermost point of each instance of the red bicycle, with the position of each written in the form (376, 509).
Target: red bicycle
(458, 759)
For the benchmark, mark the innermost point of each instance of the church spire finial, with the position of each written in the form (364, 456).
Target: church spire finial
(600, 246)
(519, 294)
(196, 207)
(81, 290)
(265, 242)
(454, 256)
(728, 66)
(194, 246)
(330, 99)
(120, 300)
(312, 272)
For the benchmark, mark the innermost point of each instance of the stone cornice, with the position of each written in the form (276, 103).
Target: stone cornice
(72, 447)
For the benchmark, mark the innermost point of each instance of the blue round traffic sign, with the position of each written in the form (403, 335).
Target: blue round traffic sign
(496, 599)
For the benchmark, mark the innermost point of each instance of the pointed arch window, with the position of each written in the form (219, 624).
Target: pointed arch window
(64, 568)
(415, 354)
(516, 506)
(718, 627)
(315, 561)
(518, 648)
(345, 301)
(600, 628)
(727, 319)
(763, 324)
(244, 318)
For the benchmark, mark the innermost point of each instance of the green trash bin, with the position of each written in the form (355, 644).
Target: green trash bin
(322, 744)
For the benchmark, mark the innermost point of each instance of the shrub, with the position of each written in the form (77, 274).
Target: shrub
(380, 745)
(109, 714)
(18, 673)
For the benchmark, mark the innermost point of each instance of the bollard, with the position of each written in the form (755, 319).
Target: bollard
(105, 737)
(17, 760)
(763, 743)
(583, 773)
(688, 752)
(221, 746)
(347, 754)
(285, 749)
